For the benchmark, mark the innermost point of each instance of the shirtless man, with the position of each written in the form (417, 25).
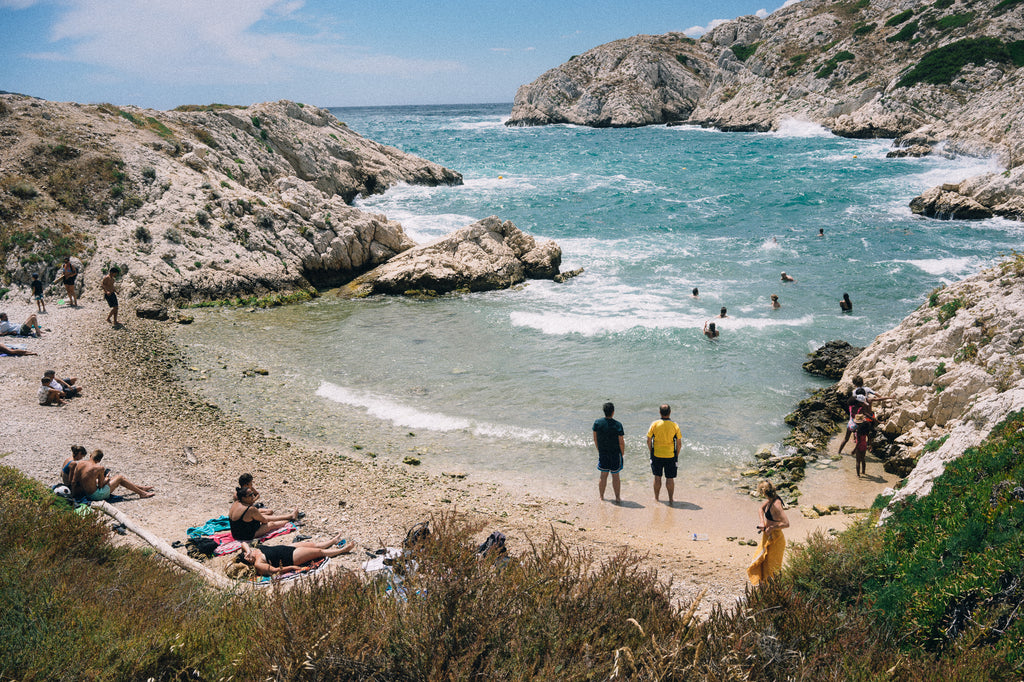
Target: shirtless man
(91, 481)
(107, 284)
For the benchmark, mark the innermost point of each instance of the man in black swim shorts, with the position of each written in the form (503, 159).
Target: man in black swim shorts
(109, 294)
(610, 442)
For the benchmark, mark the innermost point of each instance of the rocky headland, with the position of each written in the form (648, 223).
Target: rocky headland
(198, 204)
(937, 77)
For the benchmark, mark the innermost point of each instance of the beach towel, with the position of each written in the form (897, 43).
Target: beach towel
(226, 544)
(307, 570)
(768, 560)
(212, 526)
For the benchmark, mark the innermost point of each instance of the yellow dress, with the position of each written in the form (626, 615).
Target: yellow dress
(768, 560)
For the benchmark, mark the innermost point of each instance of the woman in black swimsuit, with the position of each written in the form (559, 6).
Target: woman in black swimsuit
(272, 559)
(247, 522)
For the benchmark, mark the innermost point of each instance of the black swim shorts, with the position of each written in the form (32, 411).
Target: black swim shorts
(664, 466)
(111, 300)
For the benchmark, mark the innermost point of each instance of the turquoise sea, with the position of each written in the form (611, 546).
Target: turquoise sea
(507, 384)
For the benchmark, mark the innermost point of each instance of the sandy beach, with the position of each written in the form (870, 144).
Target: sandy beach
(145, 419)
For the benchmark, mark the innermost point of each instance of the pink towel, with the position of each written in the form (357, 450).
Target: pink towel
(226, 544)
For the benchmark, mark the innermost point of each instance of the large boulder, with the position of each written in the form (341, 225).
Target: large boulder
(489, 254)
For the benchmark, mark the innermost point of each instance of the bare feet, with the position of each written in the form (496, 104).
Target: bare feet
(144, 495)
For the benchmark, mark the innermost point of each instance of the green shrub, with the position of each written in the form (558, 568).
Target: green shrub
(942, 64)
(933, 297)
(862, 77)
(899, 18)
(826, 69)
(948, 309)
(954, 21)
(255, 121)
(744, 52)
(934, 444)
(149, 173)
(967, 353)
(905, 34)
(940, 369)
(142, 234)
(943, 4)
(681, 58)
(173, 235)
(159, 128)
(1006, 5)
(863, 29)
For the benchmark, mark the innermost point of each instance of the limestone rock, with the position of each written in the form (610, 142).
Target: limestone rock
(831, 359)
(840, 66)
(489, 254)
(207, 202)
(938, 203)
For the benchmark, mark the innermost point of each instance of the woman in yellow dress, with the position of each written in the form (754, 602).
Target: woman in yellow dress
(772, 511)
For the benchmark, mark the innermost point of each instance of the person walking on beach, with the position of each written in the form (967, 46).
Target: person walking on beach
(67, 276)
(609, 438)
(37, 293)
(663, 441)
(107, 284)
(771, 520)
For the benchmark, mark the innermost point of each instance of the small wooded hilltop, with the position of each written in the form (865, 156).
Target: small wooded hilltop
(199, 203)
(935, 75)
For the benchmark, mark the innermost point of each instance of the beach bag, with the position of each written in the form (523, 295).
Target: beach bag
(495, 542)
(416, 535)
(201, 547)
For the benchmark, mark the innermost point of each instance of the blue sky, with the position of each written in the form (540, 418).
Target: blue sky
(162, 53)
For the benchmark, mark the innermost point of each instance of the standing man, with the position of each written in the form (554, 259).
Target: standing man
(107, 284)
(611, 445)
(664, 440)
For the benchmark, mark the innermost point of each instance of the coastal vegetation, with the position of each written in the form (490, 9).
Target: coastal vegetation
(933, 593)
(941, 65)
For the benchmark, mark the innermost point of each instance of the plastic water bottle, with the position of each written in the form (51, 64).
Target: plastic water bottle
(699, 537)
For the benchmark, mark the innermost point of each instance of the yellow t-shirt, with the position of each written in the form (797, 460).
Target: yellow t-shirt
(662, 432)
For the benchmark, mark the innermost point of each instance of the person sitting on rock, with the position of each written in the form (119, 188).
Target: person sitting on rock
(67, 470)
(66, 387)
(8, 328)
(247, 522)
(49, 395)
(277, 559)
(92, 481)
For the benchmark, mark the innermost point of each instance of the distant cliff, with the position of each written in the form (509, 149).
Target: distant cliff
(198, 203)
(938, 75)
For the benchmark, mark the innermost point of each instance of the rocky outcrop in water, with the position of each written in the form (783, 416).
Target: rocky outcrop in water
(830, 360)
(933, 75)
(489, 254)
(198, 203)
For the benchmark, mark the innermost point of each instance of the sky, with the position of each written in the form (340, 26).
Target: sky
(164, 53)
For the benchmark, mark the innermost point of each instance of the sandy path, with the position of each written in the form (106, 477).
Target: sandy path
(136, 410)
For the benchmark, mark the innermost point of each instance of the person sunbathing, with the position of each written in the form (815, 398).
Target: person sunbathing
(7, 350)
(30, 328)
(247, 522)
(277, 559)
(67, 470)
(91, 480)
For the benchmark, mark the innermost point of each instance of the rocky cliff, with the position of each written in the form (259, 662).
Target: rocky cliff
(935, 75)
(954, 369)
(197, 203)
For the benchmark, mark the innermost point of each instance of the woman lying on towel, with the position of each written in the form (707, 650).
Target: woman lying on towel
(276, 559)
(247, 522)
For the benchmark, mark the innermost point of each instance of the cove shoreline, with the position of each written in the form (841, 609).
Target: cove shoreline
(138, 410)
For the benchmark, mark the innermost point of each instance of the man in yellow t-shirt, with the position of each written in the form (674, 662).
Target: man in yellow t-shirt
(664, 440)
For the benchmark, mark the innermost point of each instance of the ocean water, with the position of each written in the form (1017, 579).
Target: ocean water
(507, 384)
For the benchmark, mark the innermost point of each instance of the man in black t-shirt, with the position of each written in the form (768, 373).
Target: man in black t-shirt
(610, 441)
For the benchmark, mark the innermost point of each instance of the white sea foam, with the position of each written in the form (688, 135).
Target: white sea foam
(388, 409)
(791, 127)
(470, 124)
(562, 324)
(944, 266)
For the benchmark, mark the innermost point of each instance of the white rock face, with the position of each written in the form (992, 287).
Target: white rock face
(197, 205)
(955, 367)
(489, 254)
(838, 65)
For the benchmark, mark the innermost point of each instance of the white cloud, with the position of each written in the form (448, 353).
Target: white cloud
(697, 31)
(504, 50)
(761, 13)
(203, 42)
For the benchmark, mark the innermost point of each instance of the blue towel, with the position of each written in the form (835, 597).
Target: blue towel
(209, 528)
